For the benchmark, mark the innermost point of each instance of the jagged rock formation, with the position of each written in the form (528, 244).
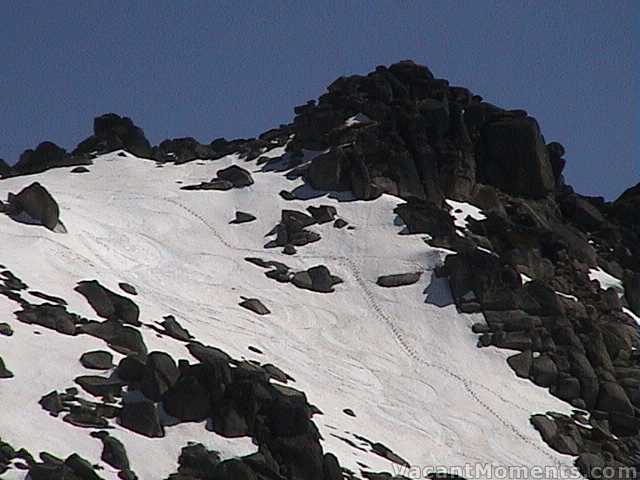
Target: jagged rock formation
(530, 267)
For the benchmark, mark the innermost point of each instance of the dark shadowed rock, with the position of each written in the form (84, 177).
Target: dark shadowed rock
(242, 217)
(37, 203)
(255, 305)
(113, 451)
(160, 374)
(174, 329)
(97, 360)
(113, 132)
(521, 363)
(108, 304)
(127, 288)
(323, 213)
(238, 176)
(399, 279)
(515, 158)
(141, 417)
(4, 371)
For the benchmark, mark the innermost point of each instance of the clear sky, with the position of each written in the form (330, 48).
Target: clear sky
(237, 68)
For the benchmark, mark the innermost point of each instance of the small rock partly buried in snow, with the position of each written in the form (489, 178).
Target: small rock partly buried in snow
(323, 213)
(242, 217)
(254, 305)
(399, 279)
(348, 411)
(289, 250)
(80, 170)
(113, 451)
(287, 195)
(5, 329)
(130, 289)
(214, 184)
(4, 371)
(317, 279)
(97, 360)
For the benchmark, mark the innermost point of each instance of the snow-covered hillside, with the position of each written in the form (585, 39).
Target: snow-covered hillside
(402, 359)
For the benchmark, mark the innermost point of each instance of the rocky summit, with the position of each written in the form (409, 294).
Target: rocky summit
(399, 283)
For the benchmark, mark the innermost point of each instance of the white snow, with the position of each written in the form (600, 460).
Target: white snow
(606, 280)
(357, 119)
(402, 359)
(461, 210)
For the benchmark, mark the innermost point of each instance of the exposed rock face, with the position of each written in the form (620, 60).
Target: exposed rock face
(515, 158)
(113, 132)
(46, 155)
(422, 139)
(37, 203)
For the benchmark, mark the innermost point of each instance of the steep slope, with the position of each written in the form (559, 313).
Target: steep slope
(408, 366)
(310, 304)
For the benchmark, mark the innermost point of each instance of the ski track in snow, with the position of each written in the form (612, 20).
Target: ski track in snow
(97, 254)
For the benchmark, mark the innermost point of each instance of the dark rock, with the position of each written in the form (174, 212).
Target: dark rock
(399, 279)
(113, 132)
(340, 223)
(613, 398)
(108, 304)
(242, 217)
(97, 360)
(182, 150)
(521, 363)
(120, 337)
(37, 203)
(5, 329)
(238, 176)
(52, 403)
(100, 386)
(127, 288)
(45, 156)
(188, 399)
(424, 217)
(317, 279)
(233, 469)
(50, 316)
(322, 213)
(515, 158)
(287, 195)
(141, 417)
(195, 460)
(544, 371)
(80, 170)
(113, 451)
(631, 281)
(174, 329)
(4, 371)
(254, 305)
(159, 375)
(81, 468)
(215, 184)
(131, 368)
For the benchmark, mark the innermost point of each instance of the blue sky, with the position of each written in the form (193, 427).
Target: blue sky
(237, 68)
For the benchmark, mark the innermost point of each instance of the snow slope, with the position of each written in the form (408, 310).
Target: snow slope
(401, 358)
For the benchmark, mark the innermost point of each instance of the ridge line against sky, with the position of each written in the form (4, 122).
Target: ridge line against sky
(236, 69)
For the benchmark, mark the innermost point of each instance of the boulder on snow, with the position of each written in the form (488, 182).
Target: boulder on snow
(254, 305)
(108, 304)
(242, 217)
(399, 279)
(97, 360)
(37, 203)
(141, 417)
(238, 176)
(317, 279)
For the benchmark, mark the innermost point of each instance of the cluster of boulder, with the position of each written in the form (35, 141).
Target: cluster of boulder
(317, 278)
(226, 179)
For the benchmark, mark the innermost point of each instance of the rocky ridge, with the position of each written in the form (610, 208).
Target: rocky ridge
(528, 267)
